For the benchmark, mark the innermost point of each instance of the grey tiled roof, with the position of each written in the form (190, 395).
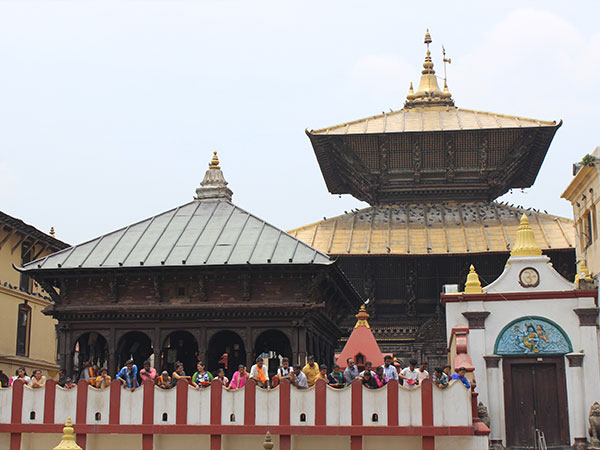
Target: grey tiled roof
(200, 233)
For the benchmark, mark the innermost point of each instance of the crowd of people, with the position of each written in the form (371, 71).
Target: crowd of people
(302, 377)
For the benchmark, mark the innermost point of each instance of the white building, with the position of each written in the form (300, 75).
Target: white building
(533, 341)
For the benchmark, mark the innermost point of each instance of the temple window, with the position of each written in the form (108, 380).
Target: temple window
(588, 229)
(23, 329)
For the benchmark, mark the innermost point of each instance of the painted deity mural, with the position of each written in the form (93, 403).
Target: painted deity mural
(532, 336)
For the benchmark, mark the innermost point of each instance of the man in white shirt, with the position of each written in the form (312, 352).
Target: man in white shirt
(299, 378)
(423, 374)
(351, 372)
(259, 373)
(368, 368)
(410, 374)
(389, 370)
(285, 370)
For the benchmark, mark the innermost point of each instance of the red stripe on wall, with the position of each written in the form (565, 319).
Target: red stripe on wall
(428, 443)
(49, 399)
(215, 441)
(182, 403)
(81, 414)
(148, 405)
(114, 411)
(216, 393)
(249, 402)
(356, 442)
(147, 442)
(285, 440)
(427, 402)
(321, 402)
(392, 403)
(357, 407)
(17, 411)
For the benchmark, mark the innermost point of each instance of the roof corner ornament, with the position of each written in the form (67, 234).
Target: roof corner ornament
(429, 92)
(473, 285)
(214, 186)
(525, 244)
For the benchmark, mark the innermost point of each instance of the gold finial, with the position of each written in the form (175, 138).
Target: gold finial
(411, 93)
(214, 163)
(446, 93)
(52, 231)
(473, 285)
(525, 244)
(427, 38)
(68, 439)
(268, 444)
(583, 273)
(362, 317)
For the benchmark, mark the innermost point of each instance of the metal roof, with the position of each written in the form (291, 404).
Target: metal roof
(433, 228)
(201, 233)
(431, 119)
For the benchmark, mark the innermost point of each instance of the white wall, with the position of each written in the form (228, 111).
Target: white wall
(267, 407)
(98, 401)
(302, 401)
(65, 405)
(199, 406)
(232, 403)
(338, 403)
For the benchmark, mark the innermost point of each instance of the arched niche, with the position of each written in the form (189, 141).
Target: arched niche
(180, 346)
(276, 345)
(136, 345)
(91, 346)
(532, 335)
(229, 343)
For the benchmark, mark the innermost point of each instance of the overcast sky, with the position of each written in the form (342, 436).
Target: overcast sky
(110, 111)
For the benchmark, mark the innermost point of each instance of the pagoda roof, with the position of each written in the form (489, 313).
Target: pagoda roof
(441, 228)
(12, 224)
(209, 231)
(432, 118)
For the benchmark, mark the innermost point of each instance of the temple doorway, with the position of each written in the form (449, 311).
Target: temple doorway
(535, 397)
(274, 345)
(135, 345)
(179, 346)
(226, 350)
(90, 347)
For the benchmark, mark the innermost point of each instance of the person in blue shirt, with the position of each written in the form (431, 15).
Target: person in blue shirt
(128, 375)
(461, 376)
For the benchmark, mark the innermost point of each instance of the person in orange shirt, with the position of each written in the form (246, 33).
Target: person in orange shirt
(322, 372)
(103, 380)
(311, 370)
(259, 373)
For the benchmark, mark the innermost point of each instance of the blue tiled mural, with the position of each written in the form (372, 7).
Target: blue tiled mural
(532, 335)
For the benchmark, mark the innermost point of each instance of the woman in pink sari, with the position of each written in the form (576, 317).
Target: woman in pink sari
(238, 380)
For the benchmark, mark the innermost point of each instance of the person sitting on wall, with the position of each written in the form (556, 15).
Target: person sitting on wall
(222, 378)
(311, 370)
(298, 377)
(38, 380)
(351, 372)
(389, 370)
(380, 376)
(238, 380)
(439, 378)
(422, 370)
(461, 376)
(20, 374)
(128, 375)
(323, 373)
(148, 373)
(62, 378)
(410, 374)
(368, 380)
(69, 383)
(336, 378)
(164, 381)
(259, 374)
(368, 368)
(202, 377)
(103, 380)
(179, 375)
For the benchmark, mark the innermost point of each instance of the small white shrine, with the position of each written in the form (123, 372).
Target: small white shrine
(533, 341)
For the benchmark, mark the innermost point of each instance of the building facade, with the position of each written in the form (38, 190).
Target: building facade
(27, 336)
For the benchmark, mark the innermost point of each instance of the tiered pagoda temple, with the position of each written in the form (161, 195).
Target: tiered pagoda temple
(431, 173)
(206, 281)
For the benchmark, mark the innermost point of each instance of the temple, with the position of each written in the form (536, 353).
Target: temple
(361, 345)
(431, 172)
(205, 281)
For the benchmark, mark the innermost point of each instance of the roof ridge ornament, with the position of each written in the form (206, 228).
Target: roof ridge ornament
(525, 244)
(473, 285)
(429, 92)
(214, 186)
(362, 318)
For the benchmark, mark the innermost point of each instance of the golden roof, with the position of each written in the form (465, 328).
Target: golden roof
(431, 118)
(433, 228)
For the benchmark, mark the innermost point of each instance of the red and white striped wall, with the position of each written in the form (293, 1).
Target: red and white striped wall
(354, 418)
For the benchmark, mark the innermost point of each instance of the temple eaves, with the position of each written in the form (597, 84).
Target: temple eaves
(213, 186)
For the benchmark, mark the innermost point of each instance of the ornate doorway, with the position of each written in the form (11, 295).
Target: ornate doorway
(226, 350)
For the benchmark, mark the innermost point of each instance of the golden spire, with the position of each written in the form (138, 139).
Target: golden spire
(362, 317)
(214, 163)
(411, 93)
(429, 92)
(52, 231)
(525, 244)
(473, 285)
(68, 439)
(583, 273)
